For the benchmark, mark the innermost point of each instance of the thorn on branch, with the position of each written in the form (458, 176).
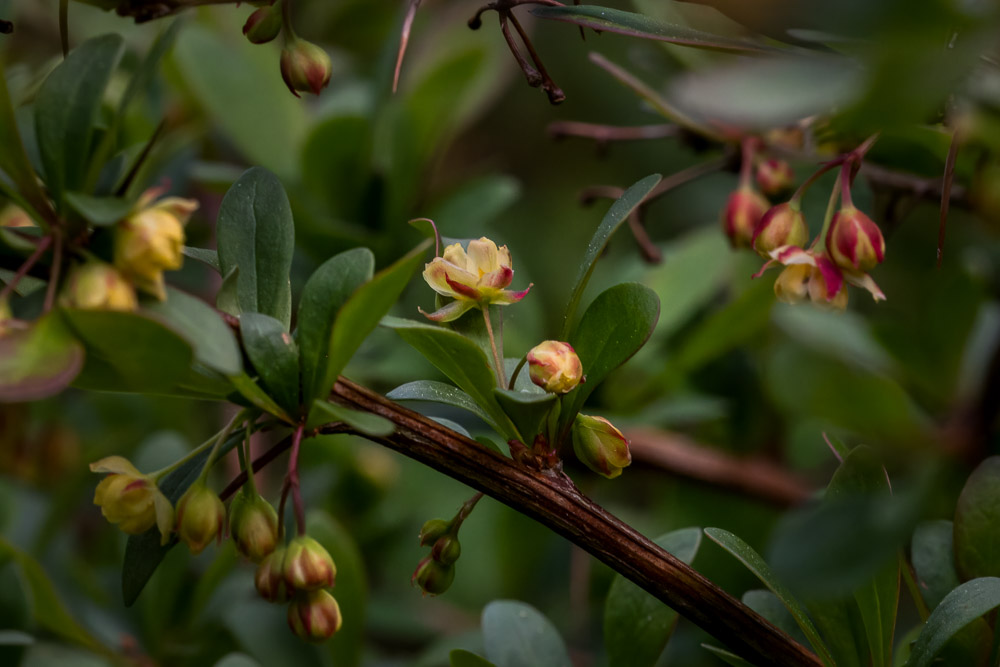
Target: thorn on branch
(404, 40)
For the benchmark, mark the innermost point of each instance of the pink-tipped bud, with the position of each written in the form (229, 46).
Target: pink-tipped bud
(253, 523)
(782, 225)
(433, 530)
(554, 366)
(305, 67)
(200, 515)
(600, 446)
(775, 177)
(744, 209)
(314, 616)
(264, 24)
(308, 566)
(432, 577)
(270, 577)
(854, 241)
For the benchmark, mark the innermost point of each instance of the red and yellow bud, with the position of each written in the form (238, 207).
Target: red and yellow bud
(150, 241)
(775, 177)
(555, 367)
(253, 524)
(308, 566)
(98, 286)
(432, 577)
(264, 24)
(854, 241)
(314, 616)
(269, 578)
(744, 209)
(200, 516)
(600, 446)
(782, 225)
(131, 499)
(305, 67)
(472, 278)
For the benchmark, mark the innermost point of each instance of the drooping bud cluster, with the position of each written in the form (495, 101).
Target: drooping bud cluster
(782, 225)
(299, 574)
(744, 209)
(775, 177)
(436, 572)
(264, 24)
(555, 367)
(855, 242)
(600, 446)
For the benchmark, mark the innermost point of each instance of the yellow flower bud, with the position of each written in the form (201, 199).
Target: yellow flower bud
(131, 499)
(200, 515)
(554, 366)
(270, 577)
(314, 616)
(150, 241)
(98, 286)
(600, 446)
(308, 565)
(253, 524)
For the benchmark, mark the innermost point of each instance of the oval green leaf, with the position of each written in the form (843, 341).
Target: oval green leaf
(516, 634)
(274, 356)
(958, 609)
(213, 340)
(365, 422)
(439, 392)
(977, 516)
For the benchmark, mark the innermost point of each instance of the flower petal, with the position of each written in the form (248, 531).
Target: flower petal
(832, 276)
(455, 254)
(864, 281)
(436, 276)
(115, 464)
(791, 254)
(497, 279)
(164, 515)
(461, 289)
(450, 312)
(507, 297)
(767, 265)
(483, 256)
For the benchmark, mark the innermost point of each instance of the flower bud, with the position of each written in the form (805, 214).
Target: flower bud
(149, 241)
(432, 577)
(314, 616)
(854, 241)
(744, 210)
(98, 286)
(433, 530)
(253, 524)
(305, 67)
(792, 284)
(824, 293)
(600, 446)
(270, 577)
(446, 550)
(775, 177)
(554, 366)
(782, 225)
(131, 499)
(200, 515)
(308, 565)
(264, 24)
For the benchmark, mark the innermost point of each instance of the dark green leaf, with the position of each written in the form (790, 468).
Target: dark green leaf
(149, 67)
(249, 390)
(13, 158)
(39, 361)
(256, 233)
(203, 255)
(99, 211)
(615, 326)
(439, 392)
(325, 293)
(365, 422)
(462, 658)
(515, 634)
(637, 626)
(274, 356)
(227, 300)
(933, 557)
(727, 657)
(771, 608)
(477, 203)
(129, 352)
(977, 517)
(66, 108)
(606, 19)
(213, 340)
(613, 219)
(527, 410)
(753, 561)
(840, 626)
(958, 609)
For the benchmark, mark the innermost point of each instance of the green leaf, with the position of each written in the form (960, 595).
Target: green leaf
(612, 220)
(39, 361)
(364, 309)
(615, 326)
(325, 293)
(366, 422)
(66, 109)
(606, 19)
(477, 203)
(203, 255)
(637, 626)
(526, 410)
(460, 360)
(149, 67)
(462, 658)
(933, 556)
(727, 657)
(227, 300)
(516, 634)
(753, 561)
(274, 356)
(977, 516)
(99, 211)
(213, 340)
(13, 157)
(256, 233)
(128, 352)
(336, 164)
(249, 390)
(771, 608)
(958, 609)
(439, 392)
(47, 608)
(840, 626)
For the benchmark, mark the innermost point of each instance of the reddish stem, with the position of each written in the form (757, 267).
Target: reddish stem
(748, 146)
(293, 479)
(39, 250)
(846, 171)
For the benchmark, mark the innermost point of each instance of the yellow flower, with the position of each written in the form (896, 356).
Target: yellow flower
(149, 241)
(98, 286)
(474, 278)
(130, 499)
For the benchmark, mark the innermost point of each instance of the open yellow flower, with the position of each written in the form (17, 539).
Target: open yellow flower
(131, 499)
(472, 278)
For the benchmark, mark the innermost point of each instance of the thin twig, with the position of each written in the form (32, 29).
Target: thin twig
(39, 250)
(404, 40)
(604, 134)
(293, 478)
(50, 290)
(141, 160)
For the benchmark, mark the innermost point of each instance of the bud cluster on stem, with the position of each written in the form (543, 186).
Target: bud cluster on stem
(436, 572)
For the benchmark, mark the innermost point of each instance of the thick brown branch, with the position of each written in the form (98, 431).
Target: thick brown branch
(555, 502)
(680, 455)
